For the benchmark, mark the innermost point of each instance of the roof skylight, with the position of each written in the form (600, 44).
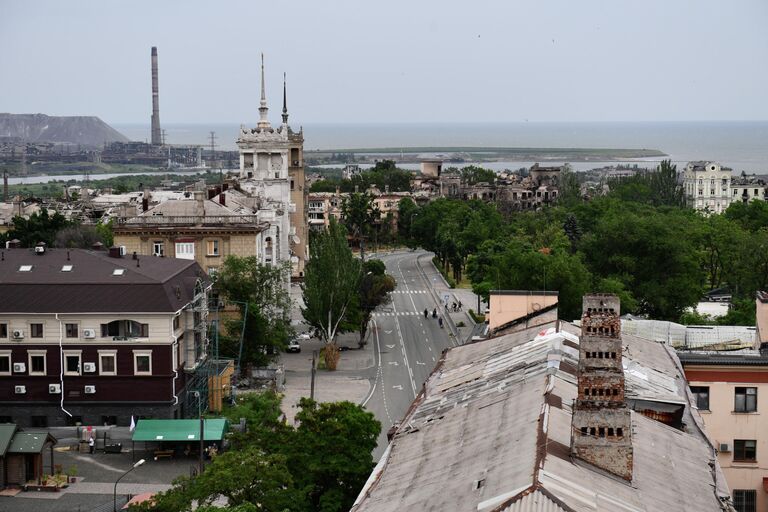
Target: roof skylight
(66, 268)
(118, 272)
(25, 268)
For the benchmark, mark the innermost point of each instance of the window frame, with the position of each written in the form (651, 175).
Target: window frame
(73, 353)
(747, 501)
(215, 245)
(67, 326)
(741, 455)
(698, 396)
(32, 330)
(136, 355)
(746, 401)
(161, 252)
(6, 354)
(113, 355)
(188, 251)
(4, 326)
(37, 353)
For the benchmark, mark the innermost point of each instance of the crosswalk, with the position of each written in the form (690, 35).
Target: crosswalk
(398, 313)
(410, 291)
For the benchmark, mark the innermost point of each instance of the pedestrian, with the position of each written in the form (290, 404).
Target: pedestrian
(446, 306)
(440, 321)
(91, 445)
(459, 305)
(426, 313)
(434, 313)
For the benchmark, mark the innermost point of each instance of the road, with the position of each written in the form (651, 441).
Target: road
(407, 345)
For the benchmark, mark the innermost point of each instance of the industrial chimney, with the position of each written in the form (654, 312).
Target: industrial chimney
(602, 427)
(156, 138)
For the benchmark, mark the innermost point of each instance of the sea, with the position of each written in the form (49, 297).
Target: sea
(740, 145)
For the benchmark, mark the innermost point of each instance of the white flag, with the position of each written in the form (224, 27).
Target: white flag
(133, 424)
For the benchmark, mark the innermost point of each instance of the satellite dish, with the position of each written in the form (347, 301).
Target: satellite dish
(536, 306)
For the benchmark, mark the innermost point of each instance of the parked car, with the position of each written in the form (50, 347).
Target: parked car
(293, 346)
(304, 336)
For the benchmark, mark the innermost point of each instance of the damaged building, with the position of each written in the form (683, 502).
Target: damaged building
(555, 417)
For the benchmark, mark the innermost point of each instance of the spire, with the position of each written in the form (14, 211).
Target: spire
(285, 104)
(263, 109)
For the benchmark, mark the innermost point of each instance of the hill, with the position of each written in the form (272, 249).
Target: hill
(85, 130)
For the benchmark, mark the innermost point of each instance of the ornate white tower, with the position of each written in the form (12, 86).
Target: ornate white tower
(272, 169)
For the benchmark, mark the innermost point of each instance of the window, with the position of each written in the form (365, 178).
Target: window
(109, 420)
(37, 362)
(36, 330)
(212, 271)
(71, 330)
(107, 362)
(745, 500)
(176, 322)
(72, 362)
(185, 250)
(158, 248)
(5, 362)
(701, 393)
(745, 450)
(124, 329)
(6, 419)
(213, 247)
(746, 400)
(3, 330)
(142, 362)
(40, 421)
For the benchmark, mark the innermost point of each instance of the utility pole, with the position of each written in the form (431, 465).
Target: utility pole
(312, 383)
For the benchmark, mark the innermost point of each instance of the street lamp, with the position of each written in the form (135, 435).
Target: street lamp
(114, 496)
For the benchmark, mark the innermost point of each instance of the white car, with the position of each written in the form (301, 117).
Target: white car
(293, 346)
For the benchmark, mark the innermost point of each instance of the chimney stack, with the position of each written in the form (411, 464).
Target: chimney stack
(156, 136)
(5, 186)
(223, 199)
(601, 433)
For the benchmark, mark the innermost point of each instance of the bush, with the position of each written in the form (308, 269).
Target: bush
(479, 319)
(461, 324)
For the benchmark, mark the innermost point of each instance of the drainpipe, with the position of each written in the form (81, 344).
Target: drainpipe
(61, 364)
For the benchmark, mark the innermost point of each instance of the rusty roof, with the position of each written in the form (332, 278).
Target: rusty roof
(491, 432)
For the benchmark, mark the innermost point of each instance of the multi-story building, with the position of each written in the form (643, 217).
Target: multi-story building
(96, 337)
(707, 186)
(196, 228)
(746, 188)
(731, 391)
(272, 169)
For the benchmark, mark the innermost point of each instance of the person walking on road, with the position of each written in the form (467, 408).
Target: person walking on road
(434, 313)
(91, 445)
(440, 322)
(426, 313)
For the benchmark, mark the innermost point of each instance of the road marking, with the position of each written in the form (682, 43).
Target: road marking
(433, 358)
(419, 362)
(378, 351)
(390, 347)
(400, 387)
(393, 363)
(388, 332)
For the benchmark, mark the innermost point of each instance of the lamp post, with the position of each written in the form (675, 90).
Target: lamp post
(114, 496)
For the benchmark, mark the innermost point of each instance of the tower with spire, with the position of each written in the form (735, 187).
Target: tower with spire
(272, 170)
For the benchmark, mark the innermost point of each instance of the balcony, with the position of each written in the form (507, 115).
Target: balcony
(186, 220)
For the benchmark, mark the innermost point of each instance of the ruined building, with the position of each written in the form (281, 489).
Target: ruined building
(602, 433)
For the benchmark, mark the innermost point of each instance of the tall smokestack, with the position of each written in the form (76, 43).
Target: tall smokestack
(156, 138)
(5, 186)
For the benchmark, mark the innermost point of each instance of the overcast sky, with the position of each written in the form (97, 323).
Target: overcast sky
(389, 61)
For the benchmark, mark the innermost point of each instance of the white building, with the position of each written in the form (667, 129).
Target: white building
(272, 170)
(707, 186)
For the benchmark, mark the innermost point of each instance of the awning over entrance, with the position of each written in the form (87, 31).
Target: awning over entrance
(180, 430)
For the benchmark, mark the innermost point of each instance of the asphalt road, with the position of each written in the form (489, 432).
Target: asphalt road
(407, 344)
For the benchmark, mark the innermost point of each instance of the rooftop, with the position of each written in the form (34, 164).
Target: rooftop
(491, 430)
(78, 281)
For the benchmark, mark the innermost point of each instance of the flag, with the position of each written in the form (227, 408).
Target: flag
(133, 423)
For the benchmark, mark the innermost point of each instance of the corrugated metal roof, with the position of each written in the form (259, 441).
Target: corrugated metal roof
(179, 430)
(492, 432)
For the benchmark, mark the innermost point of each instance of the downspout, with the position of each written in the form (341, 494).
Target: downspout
(61, 365)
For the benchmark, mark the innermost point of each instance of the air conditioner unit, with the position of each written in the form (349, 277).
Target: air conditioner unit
(18, 334)
(89, 367)
(724, 447)
(54, 389)
(19, 390)
(19, 367)
(89, 390)
(89, 333)
(123, 250)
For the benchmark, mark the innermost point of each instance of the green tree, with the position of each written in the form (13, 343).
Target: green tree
(406, 210)
(375, 287)
(40, 227)
(359, 214)
(331, 287)
(473, 174)
(243, 280)
(330, 455)
(79, 236)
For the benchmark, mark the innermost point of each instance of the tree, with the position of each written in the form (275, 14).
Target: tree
(359, 214)
(473, 174)
(375, 286)
(79, 237)
(243, 280)
(40, 227)
(331, 287)
(406, 210)
(330, 455)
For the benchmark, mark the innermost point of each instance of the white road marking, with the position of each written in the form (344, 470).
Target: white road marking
(393, 363)
(419, 362)
(378, 371)
(390, 347)
(398, 387)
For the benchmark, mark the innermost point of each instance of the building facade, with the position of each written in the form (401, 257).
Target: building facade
(731, 391)
(272, 170)
(707, 186)
(96, 337)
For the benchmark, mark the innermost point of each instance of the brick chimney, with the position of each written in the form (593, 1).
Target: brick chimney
(601, 432)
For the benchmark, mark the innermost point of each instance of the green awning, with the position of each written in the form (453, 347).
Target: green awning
(30, 442)
(180, 430)
(6, 434)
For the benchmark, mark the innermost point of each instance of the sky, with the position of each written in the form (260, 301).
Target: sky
(389, 61)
